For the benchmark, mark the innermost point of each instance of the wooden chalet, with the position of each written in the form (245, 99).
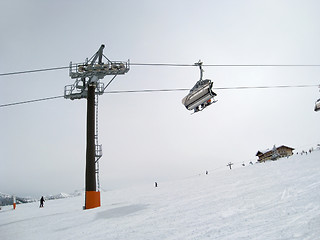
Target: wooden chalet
(275, 153)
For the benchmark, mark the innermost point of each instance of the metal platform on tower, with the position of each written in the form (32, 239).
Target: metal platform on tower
(92, 72)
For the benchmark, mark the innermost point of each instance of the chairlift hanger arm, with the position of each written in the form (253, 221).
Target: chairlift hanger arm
(200, 82)
(201, 70)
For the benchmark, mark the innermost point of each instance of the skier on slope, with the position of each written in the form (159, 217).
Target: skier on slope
(41, 201)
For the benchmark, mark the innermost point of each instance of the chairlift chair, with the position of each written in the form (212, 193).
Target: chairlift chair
(317, 105)
(201, 95)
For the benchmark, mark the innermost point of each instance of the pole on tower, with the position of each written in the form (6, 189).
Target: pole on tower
(92, 196)
(88, 85)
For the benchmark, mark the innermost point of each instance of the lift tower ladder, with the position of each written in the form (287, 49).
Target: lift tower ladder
(88, 76)
(98, 146)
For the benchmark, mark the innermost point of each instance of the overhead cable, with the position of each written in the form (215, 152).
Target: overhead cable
(265, 87)
(32, 71)
(223, 65)
(36, 70)
(30, 101)
(216, 88)
(165, 90)
(148, 90)
(169, 65)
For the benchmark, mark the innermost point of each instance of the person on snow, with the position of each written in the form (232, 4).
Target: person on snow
(41, 201)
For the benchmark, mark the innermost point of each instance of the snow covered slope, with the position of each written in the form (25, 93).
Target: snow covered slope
(273, 200)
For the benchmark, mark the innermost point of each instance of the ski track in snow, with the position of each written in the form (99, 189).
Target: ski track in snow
(272, 200)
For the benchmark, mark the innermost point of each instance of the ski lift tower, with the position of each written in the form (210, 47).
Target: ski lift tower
(88, 85)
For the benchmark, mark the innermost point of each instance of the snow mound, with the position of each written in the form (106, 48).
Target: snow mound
(7, 199)
(58, 196)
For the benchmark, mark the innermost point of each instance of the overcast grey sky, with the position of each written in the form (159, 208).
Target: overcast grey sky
(149, 137)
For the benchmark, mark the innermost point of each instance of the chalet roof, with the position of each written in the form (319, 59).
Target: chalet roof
(263, 151)
(285, 147)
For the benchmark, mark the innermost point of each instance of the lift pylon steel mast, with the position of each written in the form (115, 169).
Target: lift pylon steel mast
(88, 85)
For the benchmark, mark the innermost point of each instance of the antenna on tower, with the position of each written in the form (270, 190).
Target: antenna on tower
(88, 84)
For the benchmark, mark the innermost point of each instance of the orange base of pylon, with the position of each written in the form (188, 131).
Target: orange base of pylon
(92, 199)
